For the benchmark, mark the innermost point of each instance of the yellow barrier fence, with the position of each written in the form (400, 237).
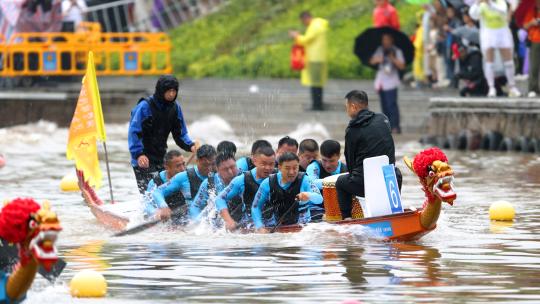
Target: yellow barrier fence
(64, 54)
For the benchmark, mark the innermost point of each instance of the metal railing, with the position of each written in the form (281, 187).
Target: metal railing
(148, 15)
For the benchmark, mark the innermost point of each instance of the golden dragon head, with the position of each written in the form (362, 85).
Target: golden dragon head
(33, 227)
(436, 176)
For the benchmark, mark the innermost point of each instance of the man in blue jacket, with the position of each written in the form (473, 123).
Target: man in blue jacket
(152, 120)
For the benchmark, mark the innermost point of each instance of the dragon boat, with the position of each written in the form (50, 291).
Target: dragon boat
(430, 166)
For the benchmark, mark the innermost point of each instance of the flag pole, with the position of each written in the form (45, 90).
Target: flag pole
(108, 171)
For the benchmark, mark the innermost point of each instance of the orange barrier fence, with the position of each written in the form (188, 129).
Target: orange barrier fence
(65, 54)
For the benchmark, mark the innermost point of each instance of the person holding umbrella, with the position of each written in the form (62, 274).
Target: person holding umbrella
(390, 61)
(388, 51)
(315, 72)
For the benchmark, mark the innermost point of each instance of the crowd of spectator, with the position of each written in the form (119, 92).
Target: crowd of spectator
(474, 45)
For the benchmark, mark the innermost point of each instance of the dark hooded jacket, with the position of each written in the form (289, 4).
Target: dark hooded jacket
(152, 120)
(367, 135)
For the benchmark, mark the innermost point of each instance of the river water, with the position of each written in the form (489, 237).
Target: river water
(466, 259)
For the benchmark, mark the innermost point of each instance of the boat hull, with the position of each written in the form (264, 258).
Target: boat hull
(404, 226)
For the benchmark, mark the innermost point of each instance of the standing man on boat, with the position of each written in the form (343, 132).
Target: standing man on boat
(367, 135)
(215, 183)
(246, 163)
(186, 183)
(289, 193)
(152, 120)
(246, 186)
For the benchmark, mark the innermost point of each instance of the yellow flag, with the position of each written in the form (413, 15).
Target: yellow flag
(87, 126)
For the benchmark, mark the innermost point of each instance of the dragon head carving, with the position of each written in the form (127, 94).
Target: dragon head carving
(33, 228)
(436, 176)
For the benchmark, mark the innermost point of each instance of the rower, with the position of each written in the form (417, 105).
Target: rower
(216, 182)
(328, 165)
(187, 182)
(174, 164)
(246, 163)
(308, 151)
(286, 144)
(226, 146)
(245, 186)
(289, 193)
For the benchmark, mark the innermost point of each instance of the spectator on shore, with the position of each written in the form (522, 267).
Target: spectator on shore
(495, 35)
(385, 14)
(418, 42)
(315, 72)
(532, 25)
(390, 61)
(453, 23)
(72, 14)
(471, 72)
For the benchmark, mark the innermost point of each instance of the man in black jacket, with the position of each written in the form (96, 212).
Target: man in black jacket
(367, 135)
(471, 72)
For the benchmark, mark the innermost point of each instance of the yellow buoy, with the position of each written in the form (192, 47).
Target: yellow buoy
(69, 183)
(501, 211)
(88, 284)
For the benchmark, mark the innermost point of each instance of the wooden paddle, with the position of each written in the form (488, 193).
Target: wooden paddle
(146, 225)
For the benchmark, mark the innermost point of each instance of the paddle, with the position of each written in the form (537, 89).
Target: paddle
(138, 228)
(146, 225)
(9, 255)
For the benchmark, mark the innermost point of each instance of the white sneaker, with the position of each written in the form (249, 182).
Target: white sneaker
(492, 92)
(532, 94)
(514, 92)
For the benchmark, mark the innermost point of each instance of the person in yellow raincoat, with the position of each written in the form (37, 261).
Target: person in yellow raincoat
(315, 72)
(418, 62)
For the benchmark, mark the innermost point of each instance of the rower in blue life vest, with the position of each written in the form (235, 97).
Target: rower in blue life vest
(308, 152)
(289, 193)
(226, 146)
(152, 120)
(187, 182)
(246, 163)
(328, 165)
(245, 186)
(174, 164)
(215, 183)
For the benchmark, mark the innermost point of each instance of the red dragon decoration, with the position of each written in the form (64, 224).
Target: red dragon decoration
(34, 229)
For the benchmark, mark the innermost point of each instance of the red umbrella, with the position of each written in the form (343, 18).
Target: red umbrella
(523, 8)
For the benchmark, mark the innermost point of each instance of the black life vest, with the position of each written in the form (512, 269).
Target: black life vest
(194, 182)
(174, 200)
(281, 200)
(235, 205)
(250, 189)
(156, 130)
(250, 163)
(323, 173)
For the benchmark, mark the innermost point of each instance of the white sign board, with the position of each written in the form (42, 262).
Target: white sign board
(381, 188)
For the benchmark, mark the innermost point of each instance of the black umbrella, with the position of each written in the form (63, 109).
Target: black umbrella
(367, 43)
